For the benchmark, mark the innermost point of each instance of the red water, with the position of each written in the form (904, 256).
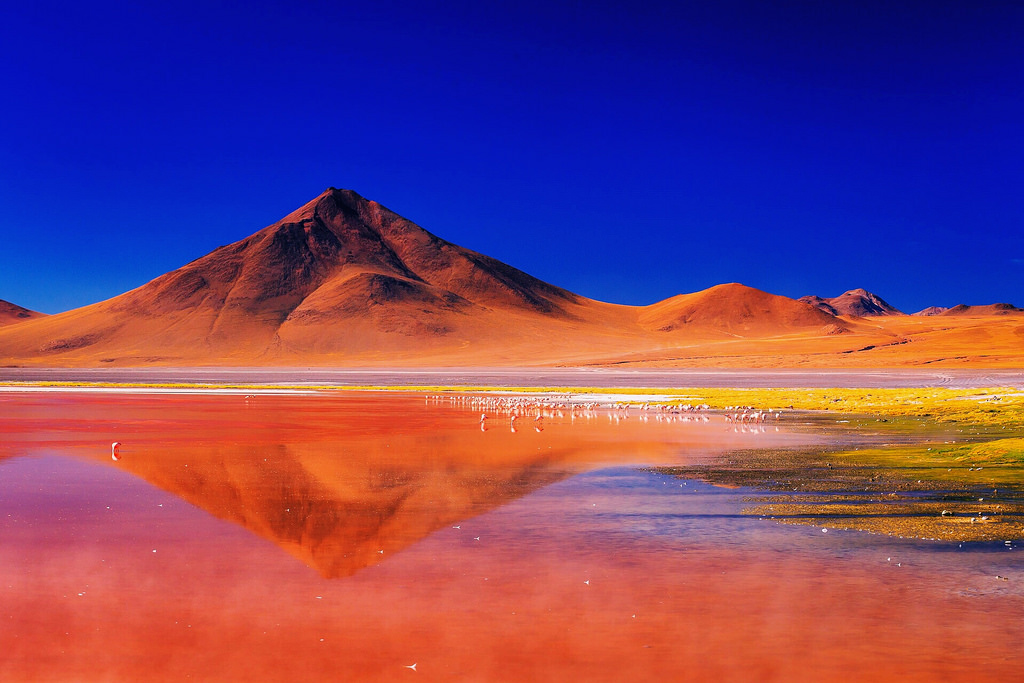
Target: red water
(241, 540)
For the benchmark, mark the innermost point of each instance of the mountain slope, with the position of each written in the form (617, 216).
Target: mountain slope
(12, 313)
(819, 303)
(339, 273)
(737, 310)
(989, 309)
(343, 281)
(855, 302)
(931, 310)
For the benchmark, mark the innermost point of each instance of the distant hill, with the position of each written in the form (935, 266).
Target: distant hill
(819, 303)
(932, 310)
(989, 309)
(12, 313)
(736, 309)
(856, 302)
(344, 281)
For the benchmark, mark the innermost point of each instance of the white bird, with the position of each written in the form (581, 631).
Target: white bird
(411, 666)
(114, 448)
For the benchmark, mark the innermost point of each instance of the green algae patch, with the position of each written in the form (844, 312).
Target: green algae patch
(999, 461)
(936, 491)
(998, 452)
(933, 520)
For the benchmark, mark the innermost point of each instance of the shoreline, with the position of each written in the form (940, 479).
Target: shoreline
(988, 406)
(515, 377)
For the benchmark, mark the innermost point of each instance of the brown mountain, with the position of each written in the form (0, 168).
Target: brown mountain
(734, 309)
(990, 309)
(343, 281)
(12, 313)
(855, 302)
(819, 303)
(340, 275)
(932, 310)
(331, 256)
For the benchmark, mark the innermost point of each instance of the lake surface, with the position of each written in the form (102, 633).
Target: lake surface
(352, 536)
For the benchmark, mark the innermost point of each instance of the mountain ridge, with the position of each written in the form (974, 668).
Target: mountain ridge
(11, 313)
(854, 302)
(344, 281)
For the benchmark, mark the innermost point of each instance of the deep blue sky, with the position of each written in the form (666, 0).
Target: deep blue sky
(625, 151)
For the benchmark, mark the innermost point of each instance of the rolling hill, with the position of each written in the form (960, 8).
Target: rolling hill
(343, 281)
(12, 313)
(989, 309)
(736, 309)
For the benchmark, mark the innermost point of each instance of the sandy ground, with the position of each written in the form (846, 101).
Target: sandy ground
(549, 377)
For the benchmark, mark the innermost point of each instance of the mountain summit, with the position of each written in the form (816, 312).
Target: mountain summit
(855, 302)
(338, 258)
(344, 281)
(339, 275)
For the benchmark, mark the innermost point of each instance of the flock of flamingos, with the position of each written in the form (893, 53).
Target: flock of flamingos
(534, 410)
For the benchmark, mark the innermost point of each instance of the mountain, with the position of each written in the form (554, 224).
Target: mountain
(990, 309)
(932, 310)
(734, 309)
(330, 256)
(855, 302)
(819, 303)
(340, 275)
(12, 313)
(343, 281)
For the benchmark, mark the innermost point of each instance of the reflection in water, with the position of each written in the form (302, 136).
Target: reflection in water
(340, 483)
(507, 555)
(339, 509)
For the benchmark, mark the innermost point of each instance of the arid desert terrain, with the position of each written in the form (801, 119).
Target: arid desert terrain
(344, 282)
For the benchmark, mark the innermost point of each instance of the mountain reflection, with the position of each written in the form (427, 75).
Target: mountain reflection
(335, 510)
(334, 479)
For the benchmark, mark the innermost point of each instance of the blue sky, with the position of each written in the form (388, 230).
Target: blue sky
(625, 151)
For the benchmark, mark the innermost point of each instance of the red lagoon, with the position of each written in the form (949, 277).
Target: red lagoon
(363, 536)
